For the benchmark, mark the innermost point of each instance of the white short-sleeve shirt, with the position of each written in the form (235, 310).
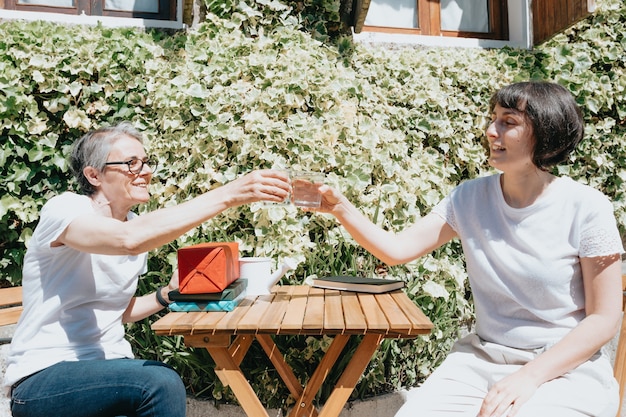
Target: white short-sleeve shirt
(524, 264)
(73, 301)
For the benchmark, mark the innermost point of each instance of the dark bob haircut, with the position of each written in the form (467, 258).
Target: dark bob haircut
(555, 117)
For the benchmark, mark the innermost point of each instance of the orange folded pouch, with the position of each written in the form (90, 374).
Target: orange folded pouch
(207, 267)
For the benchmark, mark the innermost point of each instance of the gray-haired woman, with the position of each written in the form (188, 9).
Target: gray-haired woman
(69, 356)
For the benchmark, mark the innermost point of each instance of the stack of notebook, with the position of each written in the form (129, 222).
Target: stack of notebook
(226, 300)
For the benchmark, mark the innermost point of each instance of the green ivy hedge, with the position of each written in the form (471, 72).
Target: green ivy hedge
(395, 128)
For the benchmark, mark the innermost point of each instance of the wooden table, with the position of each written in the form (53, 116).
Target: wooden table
(298, 310)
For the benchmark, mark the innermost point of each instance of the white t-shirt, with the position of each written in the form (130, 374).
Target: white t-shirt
(524, 264)
(73, 301)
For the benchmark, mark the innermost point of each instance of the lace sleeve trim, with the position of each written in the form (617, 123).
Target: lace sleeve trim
(603, 242)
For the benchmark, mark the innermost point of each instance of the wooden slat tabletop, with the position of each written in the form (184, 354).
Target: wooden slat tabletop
(186, 321)
(251, 321)
(230, 320)
(292, 321)
(334, 320)
(313, 320)
(273, 317)
(353, 314)
(393, 313)
(306, 310)
(374, 314)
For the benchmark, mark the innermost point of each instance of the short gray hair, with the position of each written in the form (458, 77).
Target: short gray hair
(93, 148)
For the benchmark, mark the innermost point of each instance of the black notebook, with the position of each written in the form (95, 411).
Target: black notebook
(359, 284)
(230, 293)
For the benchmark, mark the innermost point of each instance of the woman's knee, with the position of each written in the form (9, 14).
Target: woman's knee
(165, 378)
(164, 394)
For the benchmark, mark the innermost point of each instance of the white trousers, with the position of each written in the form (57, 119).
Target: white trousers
(458, 386)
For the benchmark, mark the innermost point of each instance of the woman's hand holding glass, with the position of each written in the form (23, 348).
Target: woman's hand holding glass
(331, 199)
(261, 185)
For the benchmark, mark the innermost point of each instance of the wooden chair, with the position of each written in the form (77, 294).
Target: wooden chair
(10, 307)
(619, 366)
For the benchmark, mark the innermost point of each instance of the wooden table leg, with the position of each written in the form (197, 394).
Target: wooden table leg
(284, 370)
(350, 376)
(210, 340)
(239, 347)
(230, 372)
(304, 404)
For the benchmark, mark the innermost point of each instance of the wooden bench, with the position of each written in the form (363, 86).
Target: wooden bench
(10, 307)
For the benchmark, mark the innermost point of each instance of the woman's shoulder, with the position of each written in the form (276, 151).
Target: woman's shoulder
(589, 201)
(579, 190)
(56, 214)
(68, 196)
(67, 201)
(478, 184)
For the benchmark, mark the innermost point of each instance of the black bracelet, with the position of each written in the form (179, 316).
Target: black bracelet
(160, 298)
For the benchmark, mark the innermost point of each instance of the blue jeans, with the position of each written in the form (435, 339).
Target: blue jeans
(101, 388)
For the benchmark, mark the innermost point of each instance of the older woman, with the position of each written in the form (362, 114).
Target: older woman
(69, 356)
(543, 259)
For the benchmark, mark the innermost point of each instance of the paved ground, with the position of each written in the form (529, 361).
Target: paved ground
(381, 406)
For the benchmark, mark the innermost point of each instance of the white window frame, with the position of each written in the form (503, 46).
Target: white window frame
(107, 21)
(520, 33)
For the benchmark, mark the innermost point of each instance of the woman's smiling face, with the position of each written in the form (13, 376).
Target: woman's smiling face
(511, 140)
(122, 188)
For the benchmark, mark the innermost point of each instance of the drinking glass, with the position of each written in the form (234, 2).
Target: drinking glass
(305, 188)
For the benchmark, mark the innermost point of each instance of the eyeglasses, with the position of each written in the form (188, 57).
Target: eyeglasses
(135, 166)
